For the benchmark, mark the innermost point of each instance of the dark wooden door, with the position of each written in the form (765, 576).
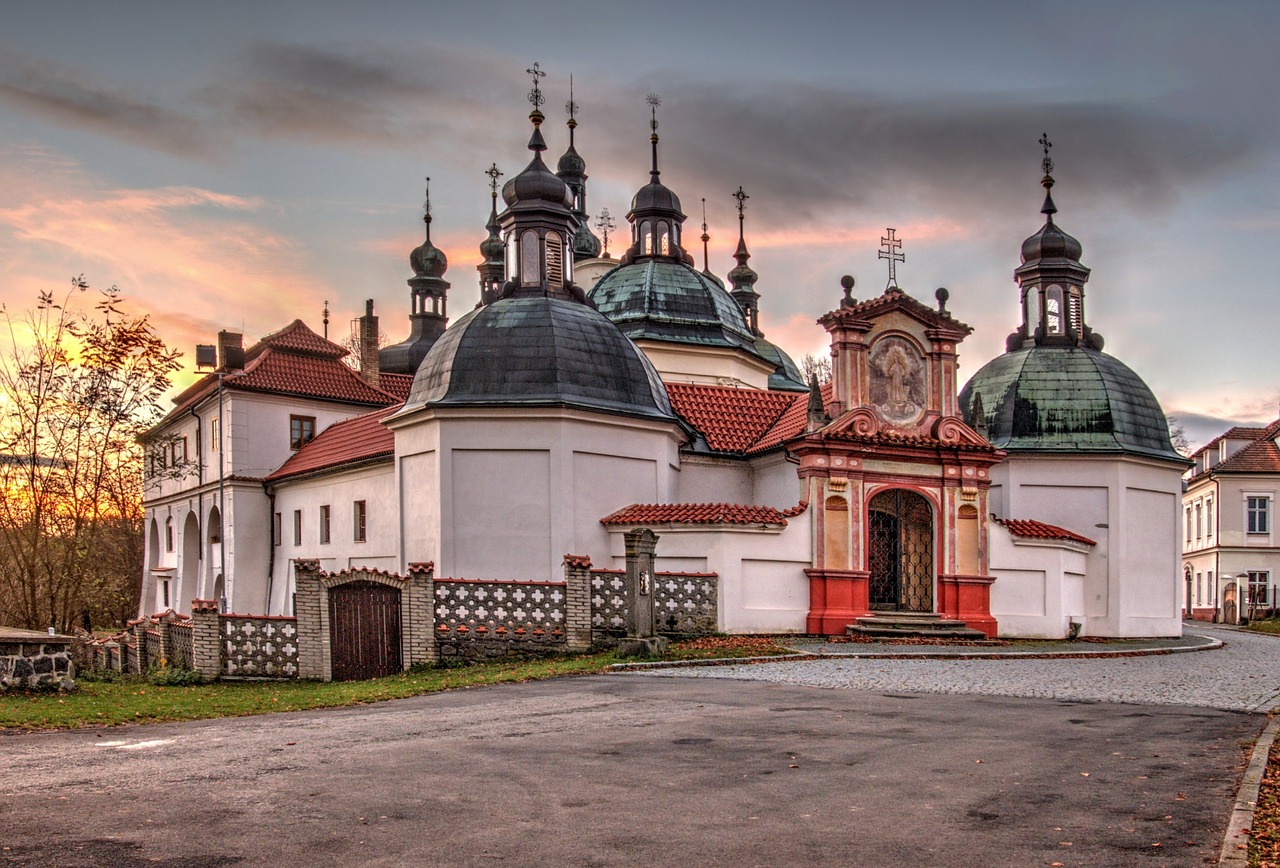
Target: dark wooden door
(364, 631)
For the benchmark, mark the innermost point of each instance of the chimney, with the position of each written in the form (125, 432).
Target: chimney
(230, 351)
(369, 345)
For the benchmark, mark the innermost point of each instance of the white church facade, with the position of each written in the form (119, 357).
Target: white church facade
(556, 416)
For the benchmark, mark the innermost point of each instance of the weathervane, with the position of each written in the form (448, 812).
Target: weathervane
(705, 236)
(654, 101)
(535, 95)
(1048, 163)
(606, 225)
(571, 107)
(494, 174)
(889, 247)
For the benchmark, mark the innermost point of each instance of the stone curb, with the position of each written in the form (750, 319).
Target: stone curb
(1210, 644)
(1247, 800)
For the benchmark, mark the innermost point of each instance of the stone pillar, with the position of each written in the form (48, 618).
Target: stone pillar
(641, 639)
(166, 638)
(206, 638)
(420, 624)
(139, 628)
(307, 605)
(577, 602)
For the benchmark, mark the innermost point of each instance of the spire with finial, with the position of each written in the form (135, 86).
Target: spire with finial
(325, 319)
(890, 250)
(1049, 209)
(604, 222)
(572, 169)
(655, 215)
(654, 101)
(536, 99)
(743, 277)
(428, 305)
(492, 250)
(706, 267)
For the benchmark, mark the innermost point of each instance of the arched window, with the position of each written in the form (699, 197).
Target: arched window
(1031, 299)
(555, 261)
(1075, 313)
(664, 239)
(1053, 319)
(529, 271)
(646, 238)
(509, 260)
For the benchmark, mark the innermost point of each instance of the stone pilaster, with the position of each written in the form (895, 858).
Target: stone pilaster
(641, 639)
(166, 638)
(313, 636)
(577, 602)
(206, 638)
(419, 629)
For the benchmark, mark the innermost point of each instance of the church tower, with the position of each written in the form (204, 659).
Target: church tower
(492, 269)
(572, 169)
(743, 277)
(428, 304)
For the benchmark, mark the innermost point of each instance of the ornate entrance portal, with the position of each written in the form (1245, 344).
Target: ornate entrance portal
(900, 552)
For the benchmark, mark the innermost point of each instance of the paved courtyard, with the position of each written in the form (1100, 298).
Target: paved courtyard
(1022, 762)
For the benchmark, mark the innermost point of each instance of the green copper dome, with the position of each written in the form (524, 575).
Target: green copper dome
(1066, 399)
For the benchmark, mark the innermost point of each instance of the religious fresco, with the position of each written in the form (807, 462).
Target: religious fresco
(897, 375)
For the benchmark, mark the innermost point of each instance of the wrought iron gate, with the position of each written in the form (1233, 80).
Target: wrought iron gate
(364, 631)
(900, 551)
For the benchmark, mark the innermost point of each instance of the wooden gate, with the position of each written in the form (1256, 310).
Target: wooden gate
(364, 631)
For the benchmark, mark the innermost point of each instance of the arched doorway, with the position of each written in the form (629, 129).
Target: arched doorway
(900, 551)
(1229, 615)
(189, 584)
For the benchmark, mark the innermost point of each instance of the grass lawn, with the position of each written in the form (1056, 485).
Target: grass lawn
(135, 700)
(1268, 626)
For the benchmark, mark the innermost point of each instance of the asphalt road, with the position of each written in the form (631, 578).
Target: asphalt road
(636, 770)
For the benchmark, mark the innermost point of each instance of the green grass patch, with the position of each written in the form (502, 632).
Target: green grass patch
(1271, 625)
(137, 700)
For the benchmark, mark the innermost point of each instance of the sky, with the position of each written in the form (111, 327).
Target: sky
(236, 165)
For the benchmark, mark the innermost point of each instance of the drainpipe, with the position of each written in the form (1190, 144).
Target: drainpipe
(271, 549)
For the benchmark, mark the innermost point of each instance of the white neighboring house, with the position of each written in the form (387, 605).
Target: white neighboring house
(207, 459)
(1230, 551)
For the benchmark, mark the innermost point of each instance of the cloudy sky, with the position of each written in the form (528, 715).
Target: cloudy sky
(234, 165)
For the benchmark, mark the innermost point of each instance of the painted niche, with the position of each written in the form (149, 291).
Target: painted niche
(897, 381)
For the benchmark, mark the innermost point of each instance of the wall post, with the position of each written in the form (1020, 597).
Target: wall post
(206, 638)
(419, 628)
(307, 605)
(577, 602)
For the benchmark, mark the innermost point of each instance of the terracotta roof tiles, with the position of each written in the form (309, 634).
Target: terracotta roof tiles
(1260, 456)
(701, 513)
(732, 420)
(1031, 529)
(357, 439)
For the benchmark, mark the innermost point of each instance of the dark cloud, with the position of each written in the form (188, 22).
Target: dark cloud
(70, 97)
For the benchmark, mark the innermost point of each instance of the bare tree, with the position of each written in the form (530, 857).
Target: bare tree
(78, 389)
(813, 364)
(1178, 435)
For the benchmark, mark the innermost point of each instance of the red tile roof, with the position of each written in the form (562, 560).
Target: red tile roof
(892, 298)
(357, 439)
(297, 338)
(1260, 456)
(1031, 529)
(701, 513)
(732, 420)
(286, 373)
(397, 385)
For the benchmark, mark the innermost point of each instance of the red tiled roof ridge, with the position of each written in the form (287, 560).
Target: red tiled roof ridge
(702, 513)
(1033, 529)
(297, 337)
(1260, 456)
(732, 419)
(345, 442)
(895, 295)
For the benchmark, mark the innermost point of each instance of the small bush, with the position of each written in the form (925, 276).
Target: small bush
(169, 676)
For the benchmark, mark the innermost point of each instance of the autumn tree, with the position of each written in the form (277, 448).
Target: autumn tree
(814, 365)
(80, 379)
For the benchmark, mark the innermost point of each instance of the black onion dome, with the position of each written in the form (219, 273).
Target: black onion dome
(1066, 399)
(537, 183)
(491, 248)
(655, 196)
(539, 351)
(427, 260)
(663, 300)
(571, 162)
(1051, 243)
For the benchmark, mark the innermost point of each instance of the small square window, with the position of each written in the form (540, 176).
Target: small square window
(302, 430)
(324, 524)
(359, 514)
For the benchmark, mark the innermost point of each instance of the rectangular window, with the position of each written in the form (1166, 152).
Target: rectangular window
(215, 430)
(277, 533)
(1199, 588)
(297, 527)
(1199, 521)
(168, 534)
(1208, 518)
(358, 514)
(302, 429)
(1188, 524)
(1259, 509)
(164, 587)
(1259, 589)
(324, 524)
(1209, 588)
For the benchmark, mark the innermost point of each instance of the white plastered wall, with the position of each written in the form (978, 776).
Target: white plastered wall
(1039, 586)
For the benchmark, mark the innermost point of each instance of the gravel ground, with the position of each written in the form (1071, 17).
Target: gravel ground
(1243, 675)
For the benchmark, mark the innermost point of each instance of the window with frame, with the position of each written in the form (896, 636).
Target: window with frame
(215, 432)
(297, 527)
(302, 430)
(1259, 588)
(168, 534)
(359, 515)
(1208, 518)
(1188, 524)
(164, 588)
(1199, 588)
(277, 531)
(1258, 510)
(324, 524)
(1199, 521)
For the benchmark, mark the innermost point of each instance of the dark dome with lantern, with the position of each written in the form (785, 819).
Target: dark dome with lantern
(541, 351)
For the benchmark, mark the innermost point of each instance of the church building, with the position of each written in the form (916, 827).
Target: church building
(585, 396)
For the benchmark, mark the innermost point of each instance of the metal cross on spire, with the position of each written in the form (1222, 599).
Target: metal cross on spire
(1048, 163)
(535, 95)
(606, 225)
(654, 101)
(742, 198)
(426, 203)
(494, 174)
(889, 250)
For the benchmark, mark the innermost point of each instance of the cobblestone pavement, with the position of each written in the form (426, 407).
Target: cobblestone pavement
(1243, 675)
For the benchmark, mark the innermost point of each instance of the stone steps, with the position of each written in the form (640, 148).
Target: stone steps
(912, 625)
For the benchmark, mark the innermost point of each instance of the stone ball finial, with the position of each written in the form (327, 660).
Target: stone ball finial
(941, 294)
(847, 283)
